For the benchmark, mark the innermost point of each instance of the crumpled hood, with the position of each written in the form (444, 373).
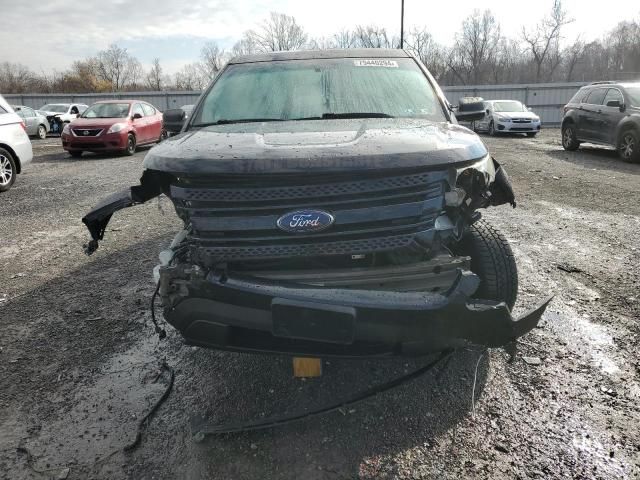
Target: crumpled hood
(316, 145)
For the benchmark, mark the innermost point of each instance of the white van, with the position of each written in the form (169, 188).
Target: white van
(15, 146)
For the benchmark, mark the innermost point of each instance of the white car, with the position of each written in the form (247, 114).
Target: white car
(507, 116)
(60, 113)
(15, 146)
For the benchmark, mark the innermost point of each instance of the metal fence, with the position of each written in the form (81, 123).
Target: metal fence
(546, 99)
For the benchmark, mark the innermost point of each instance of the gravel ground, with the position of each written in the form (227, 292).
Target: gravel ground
(79, 366)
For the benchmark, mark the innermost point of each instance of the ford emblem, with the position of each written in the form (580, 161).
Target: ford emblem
(304, 221)
(86, 132)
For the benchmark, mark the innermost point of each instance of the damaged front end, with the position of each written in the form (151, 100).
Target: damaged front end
(383, 278)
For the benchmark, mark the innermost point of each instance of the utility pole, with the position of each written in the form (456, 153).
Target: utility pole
(401, 23)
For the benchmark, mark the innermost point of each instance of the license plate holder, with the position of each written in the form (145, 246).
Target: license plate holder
(313, 321)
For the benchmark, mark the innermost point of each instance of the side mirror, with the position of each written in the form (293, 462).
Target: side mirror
(470, 109)
(529, 109)
(136, 116)
(616, 104)
(174, 120)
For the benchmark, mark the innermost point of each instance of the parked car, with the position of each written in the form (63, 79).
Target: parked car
(177, 125)
(338, 218)
(508, 116)
(113, 125)
(15, 146)
(58, 114)
(605, 113)
(36, 124)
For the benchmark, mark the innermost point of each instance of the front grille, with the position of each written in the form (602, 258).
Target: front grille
(234, 217)
(521, 120)
(90, 132)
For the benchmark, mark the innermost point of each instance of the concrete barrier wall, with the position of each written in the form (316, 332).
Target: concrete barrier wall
(546, 99)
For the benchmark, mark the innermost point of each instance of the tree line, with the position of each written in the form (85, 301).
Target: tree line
(480, 54)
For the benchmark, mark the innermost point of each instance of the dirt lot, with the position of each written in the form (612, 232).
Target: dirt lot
(79, 364)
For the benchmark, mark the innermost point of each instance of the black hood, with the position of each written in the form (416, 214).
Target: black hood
(316, 145)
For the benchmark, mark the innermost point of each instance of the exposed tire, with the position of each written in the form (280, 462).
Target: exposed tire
(75, 153)
(492, 260)
(569, 140)
(163, 135)
(531, 134)
(491, 130)
(629, 146)
(131, 145)
(8, 170)
(42, 132)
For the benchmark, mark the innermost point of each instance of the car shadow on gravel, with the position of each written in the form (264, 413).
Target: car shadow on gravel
(596, 158)
(64, 331)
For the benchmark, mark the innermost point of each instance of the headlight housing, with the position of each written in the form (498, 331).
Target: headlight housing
(67, 129)
(503, 119)
(116, 127)
(536, 119)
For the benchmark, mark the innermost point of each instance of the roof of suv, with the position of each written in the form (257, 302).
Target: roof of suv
(321, 54)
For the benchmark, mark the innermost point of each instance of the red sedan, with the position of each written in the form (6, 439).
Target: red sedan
(113, 125)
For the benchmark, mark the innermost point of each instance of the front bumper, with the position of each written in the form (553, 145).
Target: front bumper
(250, 314)
(517, 127)
(101, 143)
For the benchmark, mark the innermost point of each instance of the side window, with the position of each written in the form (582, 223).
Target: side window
(148, 109)
(74, 110)
(82, 108)
(137, 109)
(613, 95)
(596, 97)
(28, 112)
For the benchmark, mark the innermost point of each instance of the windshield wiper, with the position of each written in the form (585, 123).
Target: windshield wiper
(238, 120)
(331, 116)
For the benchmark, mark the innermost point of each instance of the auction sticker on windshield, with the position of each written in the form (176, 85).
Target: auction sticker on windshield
(376, 62)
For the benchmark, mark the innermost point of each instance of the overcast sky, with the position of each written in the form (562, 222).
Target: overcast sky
(51, 34)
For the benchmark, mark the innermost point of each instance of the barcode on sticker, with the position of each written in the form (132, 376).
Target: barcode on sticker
(376, 62)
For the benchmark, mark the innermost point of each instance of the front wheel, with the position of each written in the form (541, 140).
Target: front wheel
(42, 132)
(629, 147)
(131, 145)
(492, 260)
(7, 170)
(569, 140)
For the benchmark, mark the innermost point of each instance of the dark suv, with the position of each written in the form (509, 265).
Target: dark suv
(606, 113)
(330, 203)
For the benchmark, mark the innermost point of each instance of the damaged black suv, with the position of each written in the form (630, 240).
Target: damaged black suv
(330, 206)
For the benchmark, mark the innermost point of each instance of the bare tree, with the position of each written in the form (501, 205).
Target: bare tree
(279, 32)
(212, 58)
(116, 67)
(344, 39)
(244, 46)
(543, 42)
(190, 78)
(372, 36)
(573, 54)
(421, 43)
(154, 76)
(477, 45)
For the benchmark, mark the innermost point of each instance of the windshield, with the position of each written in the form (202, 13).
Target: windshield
(634, 95)
(57, 108)
(512, 106)
(320, 89)
(107, 110)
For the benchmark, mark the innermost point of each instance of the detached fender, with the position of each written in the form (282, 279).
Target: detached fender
(96, 220)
